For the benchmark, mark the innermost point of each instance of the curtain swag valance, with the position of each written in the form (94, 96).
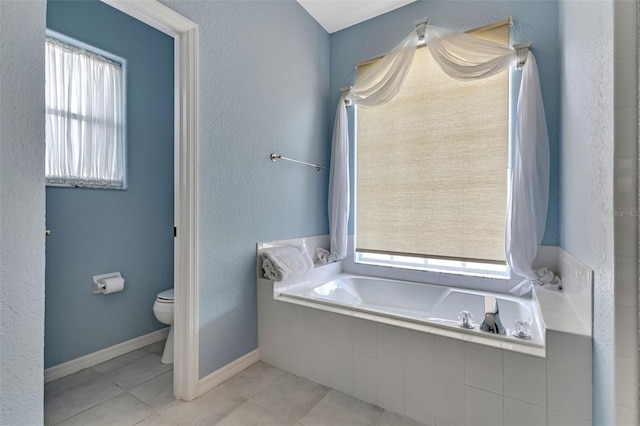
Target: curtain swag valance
(462, 57)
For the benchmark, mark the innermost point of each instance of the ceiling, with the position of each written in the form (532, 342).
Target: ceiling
(335, 15)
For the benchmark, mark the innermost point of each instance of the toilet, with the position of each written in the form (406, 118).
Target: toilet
(163, 310)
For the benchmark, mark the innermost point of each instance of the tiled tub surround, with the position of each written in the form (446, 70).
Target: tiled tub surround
(577, 286)
(435, 379)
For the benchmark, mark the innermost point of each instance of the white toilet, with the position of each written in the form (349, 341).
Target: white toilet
(163, 310)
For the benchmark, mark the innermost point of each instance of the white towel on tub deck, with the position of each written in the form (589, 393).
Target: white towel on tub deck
(280, 263)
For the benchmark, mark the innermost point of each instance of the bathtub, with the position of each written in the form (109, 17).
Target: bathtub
(425, 307)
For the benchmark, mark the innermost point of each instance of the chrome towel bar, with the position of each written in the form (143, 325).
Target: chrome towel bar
(275, 157)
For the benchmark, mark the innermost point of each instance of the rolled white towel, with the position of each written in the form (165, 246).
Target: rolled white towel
(548, 279)
(555, 284)
(280, 263)
(545, 276)
(325, 256)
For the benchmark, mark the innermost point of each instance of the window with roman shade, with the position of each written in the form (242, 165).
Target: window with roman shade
(85, 117)
(432, 165)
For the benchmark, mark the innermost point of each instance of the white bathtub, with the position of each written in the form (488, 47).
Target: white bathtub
(416, 303)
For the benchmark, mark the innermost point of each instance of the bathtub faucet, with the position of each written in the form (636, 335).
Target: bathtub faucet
(491, 323)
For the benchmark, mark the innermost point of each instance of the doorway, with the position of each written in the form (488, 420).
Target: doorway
(185, 140)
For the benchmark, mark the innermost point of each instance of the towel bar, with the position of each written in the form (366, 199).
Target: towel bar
(275, 157)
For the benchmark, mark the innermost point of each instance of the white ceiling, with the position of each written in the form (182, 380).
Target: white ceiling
(335, 15)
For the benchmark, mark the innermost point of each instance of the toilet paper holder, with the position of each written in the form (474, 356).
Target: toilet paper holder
(98, 281)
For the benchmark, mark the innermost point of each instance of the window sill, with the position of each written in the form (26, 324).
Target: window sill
(438, 270)
(68, 185)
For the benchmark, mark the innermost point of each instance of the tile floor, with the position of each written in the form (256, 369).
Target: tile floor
(136, 389)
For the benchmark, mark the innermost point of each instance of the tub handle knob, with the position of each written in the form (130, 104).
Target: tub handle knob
(522, 329)
(465, 319)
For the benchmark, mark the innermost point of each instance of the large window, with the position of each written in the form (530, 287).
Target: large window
(432, 170)
(85, 117)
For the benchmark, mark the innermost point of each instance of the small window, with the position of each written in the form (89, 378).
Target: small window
(432, 169)
(85, 116)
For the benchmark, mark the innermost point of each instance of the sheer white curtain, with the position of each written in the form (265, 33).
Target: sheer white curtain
(529, 194)
(84, 118)
(339, 189)
(465, 57)
(379, 86)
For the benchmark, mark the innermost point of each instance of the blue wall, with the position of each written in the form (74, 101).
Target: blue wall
(535, 21)
(99, 231)
(264, 86)
(22, 212)
(587, 180)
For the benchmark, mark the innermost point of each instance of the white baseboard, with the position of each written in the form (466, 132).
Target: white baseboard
(95, 358)
(220, 375)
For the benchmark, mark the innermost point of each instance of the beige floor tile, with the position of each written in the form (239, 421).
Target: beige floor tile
(393, 419)
(291, 396)
(157, 347)
(157, 420)
(208, 409)
(68, 382)
(253, 414)
(75, 393)
(254, 380)
(138, 372)
(259, 395)
(157, 392)
(120, 361)
(122, 410)
(337, 408)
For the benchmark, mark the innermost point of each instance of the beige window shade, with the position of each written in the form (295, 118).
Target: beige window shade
(431, 165)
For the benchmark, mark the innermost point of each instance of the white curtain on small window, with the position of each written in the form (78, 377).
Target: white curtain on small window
(84, 129)
(465, 57)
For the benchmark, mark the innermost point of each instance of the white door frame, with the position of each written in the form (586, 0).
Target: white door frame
(186, 115)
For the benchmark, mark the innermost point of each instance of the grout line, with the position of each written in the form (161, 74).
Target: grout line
(234, 410)
(297, 420)
(123, 365)
(138, 399)
(87, 409)
(147, 381)
(150, 415)
(272, 410)
(139, 384)
(107, 378)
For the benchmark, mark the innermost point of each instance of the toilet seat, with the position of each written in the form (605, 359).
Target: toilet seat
(166, 296)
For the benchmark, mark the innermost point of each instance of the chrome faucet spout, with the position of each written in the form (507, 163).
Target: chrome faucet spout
(492, 323)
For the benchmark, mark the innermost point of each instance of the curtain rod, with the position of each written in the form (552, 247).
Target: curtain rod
(275, 157)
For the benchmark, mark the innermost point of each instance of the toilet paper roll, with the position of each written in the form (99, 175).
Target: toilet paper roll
(112, 284)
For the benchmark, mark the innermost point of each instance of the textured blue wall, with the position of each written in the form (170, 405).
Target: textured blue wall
(99, 231)
(21, 212)
(587, 177)
(535, 21)
(264, 85)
